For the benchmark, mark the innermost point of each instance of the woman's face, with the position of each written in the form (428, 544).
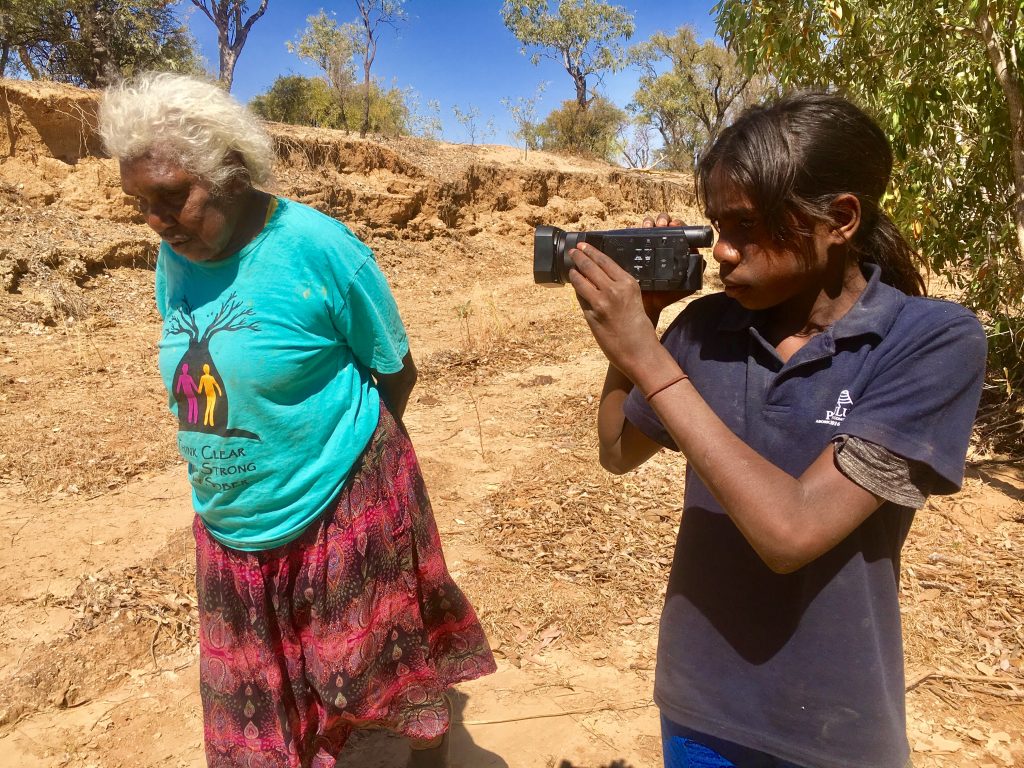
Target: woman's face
(195, 220)
(757, 270)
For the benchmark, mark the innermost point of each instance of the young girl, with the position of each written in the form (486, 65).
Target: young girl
(818, 400)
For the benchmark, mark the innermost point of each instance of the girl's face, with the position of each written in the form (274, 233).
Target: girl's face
(187, 213)
(757, 270)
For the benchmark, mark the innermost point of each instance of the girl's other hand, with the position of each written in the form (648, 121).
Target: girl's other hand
(656, 301)
(661, 220)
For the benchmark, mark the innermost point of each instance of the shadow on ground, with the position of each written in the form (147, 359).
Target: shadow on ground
(383, 749)
(1005, 476)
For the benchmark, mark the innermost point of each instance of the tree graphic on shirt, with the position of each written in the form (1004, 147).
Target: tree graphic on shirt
(232, 316)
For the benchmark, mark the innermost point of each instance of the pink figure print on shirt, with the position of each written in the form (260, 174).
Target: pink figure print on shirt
(211, 389)
(187, 386)
(192, 385)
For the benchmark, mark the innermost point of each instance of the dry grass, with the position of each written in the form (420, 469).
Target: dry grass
(86, 410)
(962, 594)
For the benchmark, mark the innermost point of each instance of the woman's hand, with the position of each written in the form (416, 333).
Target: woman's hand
(395, 388)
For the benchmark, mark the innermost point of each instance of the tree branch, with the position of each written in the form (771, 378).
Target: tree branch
(255, 17)
(201, 5)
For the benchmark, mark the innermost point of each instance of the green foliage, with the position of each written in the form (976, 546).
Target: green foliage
(335, 48)
(93, 42)
(469, 119)
(23, 27)
(311, 101)
(583, 35)
(701, 92)
(389, 114)
(300, 101)
(332, 48)
(943, 81)
(592, 132)
(524, 115)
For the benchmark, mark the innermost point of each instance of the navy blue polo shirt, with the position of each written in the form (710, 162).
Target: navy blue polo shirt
(808, 666)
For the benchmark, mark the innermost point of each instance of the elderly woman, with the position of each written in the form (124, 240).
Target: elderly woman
(324, 600)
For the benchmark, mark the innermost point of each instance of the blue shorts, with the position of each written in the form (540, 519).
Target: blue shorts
(685, 748)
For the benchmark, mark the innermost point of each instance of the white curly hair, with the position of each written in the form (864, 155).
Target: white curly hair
(191, 121)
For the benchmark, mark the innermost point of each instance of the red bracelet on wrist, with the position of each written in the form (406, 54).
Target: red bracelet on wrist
(663, 387)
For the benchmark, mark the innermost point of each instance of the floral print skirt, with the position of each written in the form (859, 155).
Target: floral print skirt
(354, 624)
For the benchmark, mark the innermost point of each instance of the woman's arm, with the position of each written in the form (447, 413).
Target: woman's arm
(788, 521)
(395, 388)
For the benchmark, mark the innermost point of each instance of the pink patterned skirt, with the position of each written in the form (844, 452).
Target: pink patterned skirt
(354, 624)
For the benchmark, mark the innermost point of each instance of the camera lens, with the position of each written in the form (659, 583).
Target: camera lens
(549, 255)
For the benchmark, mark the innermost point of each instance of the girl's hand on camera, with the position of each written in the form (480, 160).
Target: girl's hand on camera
(614, 310)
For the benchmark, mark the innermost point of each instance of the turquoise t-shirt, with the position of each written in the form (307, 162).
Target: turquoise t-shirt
(266, 357)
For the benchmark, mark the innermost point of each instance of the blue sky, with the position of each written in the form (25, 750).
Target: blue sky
(456, 51)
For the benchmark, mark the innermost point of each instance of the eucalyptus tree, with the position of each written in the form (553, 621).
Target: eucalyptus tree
(92, 42)
(945, 81)
(691, 100)
(228, 16)
(372, 16)
(331, 47)
(583, 35)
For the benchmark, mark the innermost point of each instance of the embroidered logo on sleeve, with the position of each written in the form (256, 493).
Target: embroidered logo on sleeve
(835, 417)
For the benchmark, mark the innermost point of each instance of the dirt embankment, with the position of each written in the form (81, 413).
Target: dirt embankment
(57, 185)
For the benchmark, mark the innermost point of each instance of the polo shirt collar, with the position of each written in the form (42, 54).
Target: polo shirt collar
(876, 308)
(874, 312)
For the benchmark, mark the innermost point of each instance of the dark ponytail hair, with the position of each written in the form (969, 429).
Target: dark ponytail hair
(795, 156)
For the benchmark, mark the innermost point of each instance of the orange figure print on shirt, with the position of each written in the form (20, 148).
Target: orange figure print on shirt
(209, 387)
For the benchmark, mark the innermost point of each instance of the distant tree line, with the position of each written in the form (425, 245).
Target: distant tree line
(687, 90)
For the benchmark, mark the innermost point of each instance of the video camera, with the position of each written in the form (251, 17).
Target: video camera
(660, 258)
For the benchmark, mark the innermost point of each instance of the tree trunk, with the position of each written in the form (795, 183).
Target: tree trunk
(5, 58)
(226, 16)
(579, 79)
(1009, 80)
(365, 127)
(26, 62)
(228, 57)
(339, 95)
(581, 92)
(104, 70)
